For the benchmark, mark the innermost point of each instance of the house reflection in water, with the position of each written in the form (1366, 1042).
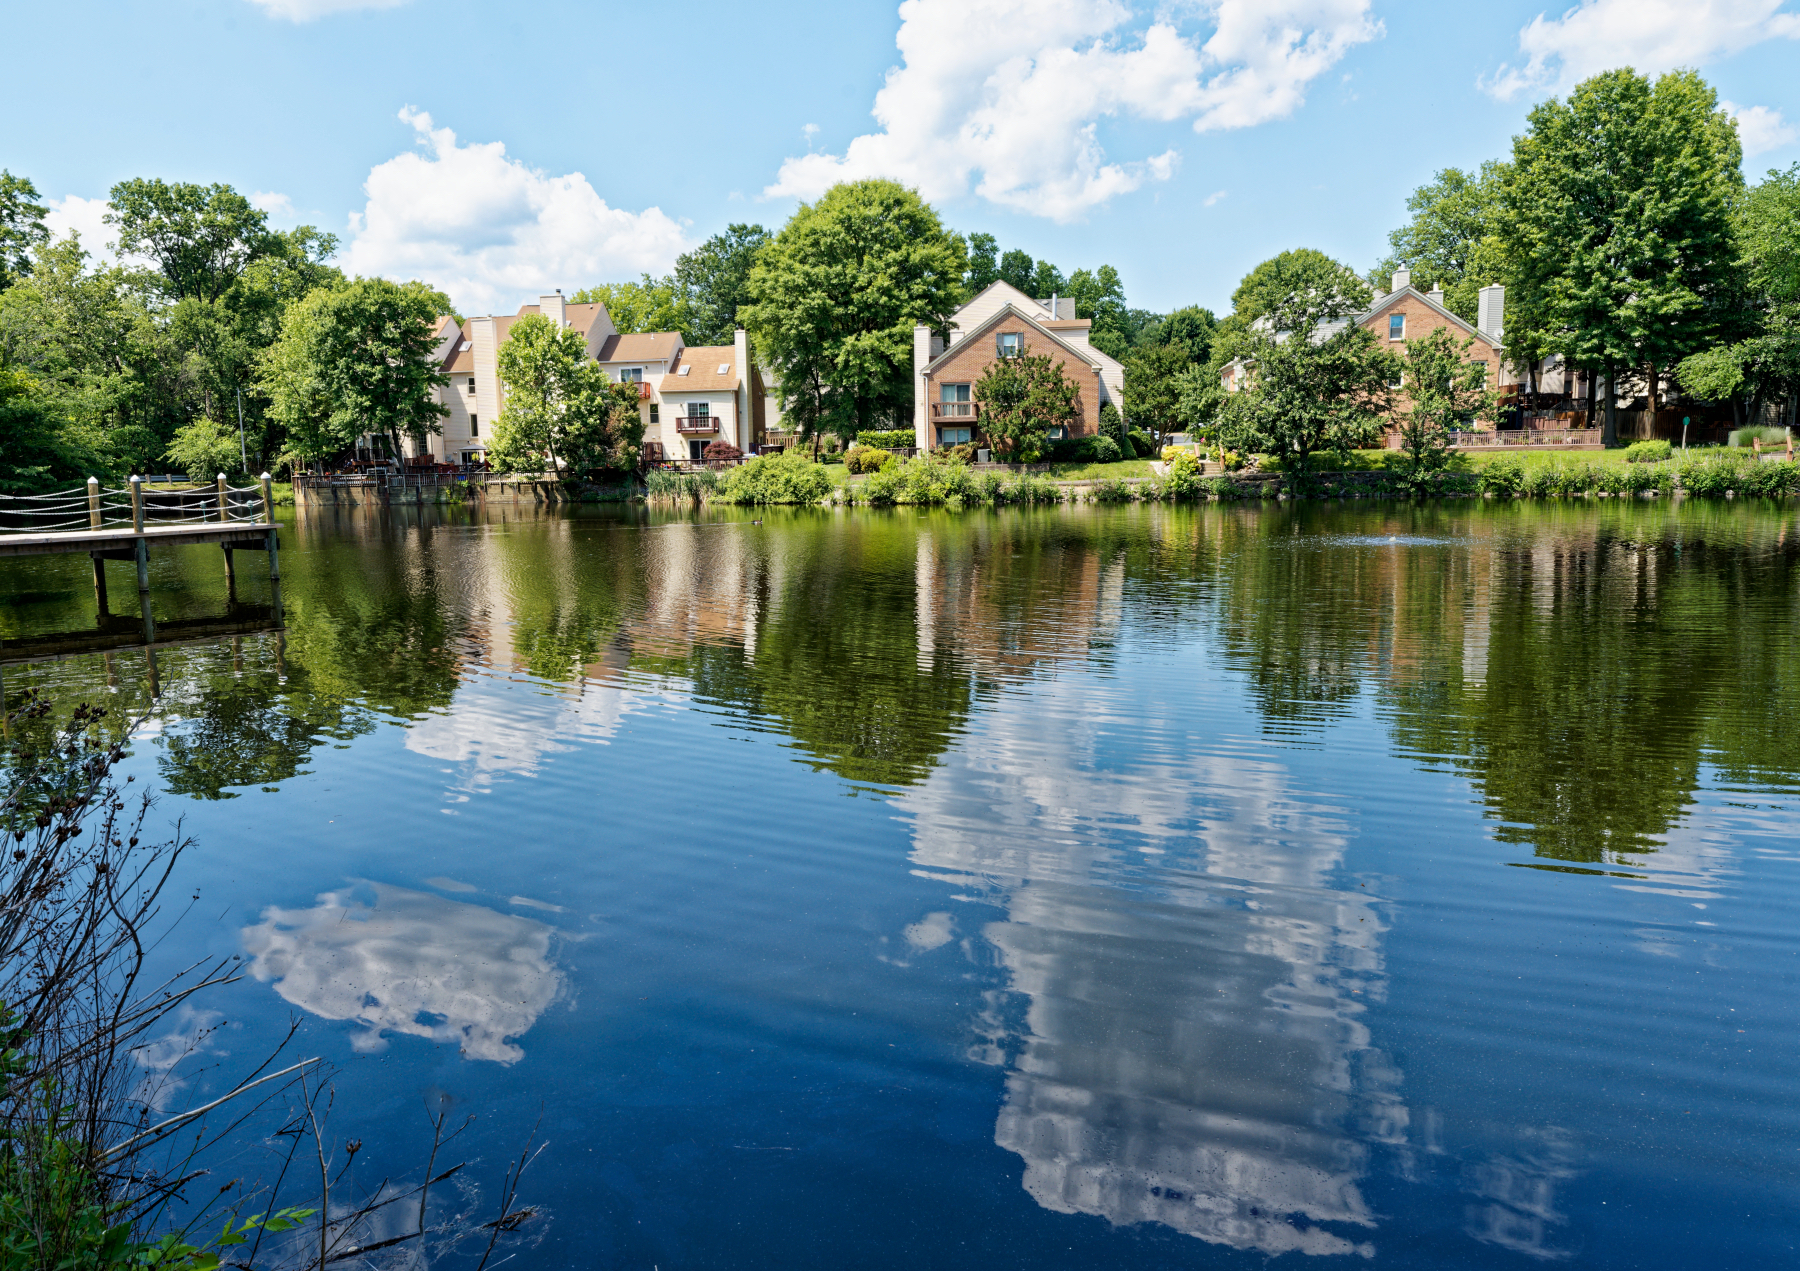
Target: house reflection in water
(400, 961)
(1184, 1024)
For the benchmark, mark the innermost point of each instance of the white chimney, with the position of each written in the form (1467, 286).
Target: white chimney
(1435, 295)
(1490, 314)
(1402, 278)
(552, 308)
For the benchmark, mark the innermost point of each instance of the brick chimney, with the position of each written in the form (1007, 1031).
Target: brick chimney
(1490, 314)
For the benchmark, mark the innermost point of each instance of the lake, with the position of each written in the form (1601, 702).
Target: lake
(1081, 887)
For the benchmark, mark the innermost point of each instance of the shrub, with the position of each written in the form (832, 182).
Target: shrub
(1029, 490)
(1106, 450)
(721, 452)
(1741, 437)
(1074, 450)
(1710, 475)
(1112, 490)
(1183, 480)
(1112, 424)
(1143, 443)
(962, 453)
(1171, 453)
(866, 459)
(783, 478)
(1647, 452)
(660, 483)
(886, 438)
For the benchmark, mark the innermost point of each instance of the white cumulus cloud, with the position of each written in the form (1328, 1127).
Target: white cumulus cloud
(278, 207)
(493, 232)
(73, 214)
(1009, 94)
(308, 10)
(1649, 35)
(1760, 128)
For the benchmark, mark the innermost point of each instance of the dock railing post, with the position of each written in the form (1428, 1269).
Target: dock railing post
(94, 502)
(268, 494)
(137, 504)
(224, 501)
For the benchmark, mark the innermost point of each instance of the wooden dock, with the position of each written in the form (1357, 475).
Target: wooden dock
(242, 524)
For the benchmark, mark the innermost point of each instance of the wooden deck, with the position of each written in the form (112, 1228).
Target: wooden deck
(121, 543)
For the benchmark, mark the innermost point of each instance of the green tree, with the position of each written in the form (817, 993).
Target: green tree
(206, 447)
(200, 238)
(562, 413)
(837, 295)
(1154, 378)
(354, 360)
(1100, 296)
(650, 304)
(1046, 281)
(22, 229)
(1299, 289)
(1450, 241)
(1016, 269)
(984, 263)
(1445, 389)
(1022, 398)
(38, 452)
(1617, 227)
(1190, 329)
(715, 280)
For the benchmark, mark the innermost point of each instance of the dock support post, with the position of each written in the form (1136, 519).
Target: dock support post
(141, 549)
(94, 502)
(275, 578)
(100, 606)
(230, 574)
(269, 499)
(224, 503)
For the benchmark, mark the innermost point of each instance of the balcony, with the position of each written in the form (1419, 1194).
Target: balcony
(643, 391)
(696, 423)
(963, 412)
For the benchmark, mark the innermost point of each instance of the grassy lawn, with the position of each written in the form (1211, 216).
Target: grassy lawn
(1100, 471)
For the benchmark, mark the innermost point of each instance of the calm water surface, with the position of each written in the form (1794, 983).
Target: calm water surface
(1076, 888)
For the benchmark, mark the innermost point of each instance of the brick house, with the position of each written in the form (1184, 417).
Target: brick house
(1003, 321)
(1405, 313)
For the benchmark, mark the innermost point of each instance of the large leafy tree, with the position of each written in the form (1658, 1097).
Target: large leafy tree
(1022, 398)
(1017, 268)
(1445, 389)
(1154, 379)
(715, 280)
(835, 298)
(1763, 366)
(1314, 379)
(562, 413)
(984, 262)
(1616, 222)
(1100, 296)
(650, 304)
(199, 238)
(22, 229)
(356, 359)
(1450, 241)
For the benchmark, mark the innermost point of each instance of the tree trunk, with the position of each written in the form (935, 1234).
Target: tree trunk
(1653, 387)
(1609, 431)
(1593, 382)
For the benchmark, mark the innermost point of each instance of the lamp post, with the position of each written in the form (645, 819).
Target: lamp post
(1684, 424)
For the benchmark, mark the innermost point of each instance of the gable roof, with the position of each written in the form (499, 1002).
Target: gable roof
(1084, 355)
(704, 376)
(641, 346)
(1384, 303)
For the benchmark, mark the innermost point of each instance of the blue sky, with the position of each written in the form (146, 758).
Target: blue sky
(499, 152)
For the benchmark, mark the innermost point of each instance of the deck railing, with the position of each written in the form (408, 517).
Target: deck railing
(135, 504)
(1526, 437)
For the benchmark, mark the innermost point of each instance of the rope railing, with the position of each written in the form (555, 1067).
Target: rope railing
(101, 508)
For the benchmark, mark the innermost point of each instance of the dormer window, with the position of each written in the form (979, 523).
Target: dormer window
(1010, 343)
(1396, 326)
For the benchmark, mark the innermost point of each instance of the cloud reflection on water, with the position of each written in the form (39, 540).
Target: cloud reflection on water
(400, 961)
(1191, 1049)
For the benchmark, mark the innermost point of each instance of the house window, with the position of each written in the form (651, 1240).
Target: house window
(1058, 433)
(471, 383)
(474, 426)
(1396, 326)
(653, 414)
(1010, 343)
(699, 410)
(955, 436)
(696, 450)
(631, 375)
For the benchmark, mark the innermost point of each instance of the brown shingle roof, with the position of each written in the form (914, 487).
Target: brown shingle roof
(460, 360)
(641, 346)
(703, 363)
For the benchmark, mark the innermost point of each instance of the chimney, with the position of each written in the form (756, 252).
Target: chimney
(1436, 296)
(1490, 314)
(1402, 278)
(552, 308)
